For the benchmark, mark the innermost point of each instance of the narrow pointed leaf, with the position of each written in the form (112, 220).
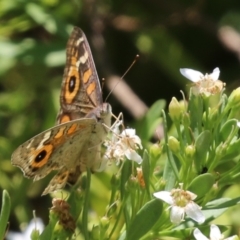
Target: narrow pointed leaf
(145, 219)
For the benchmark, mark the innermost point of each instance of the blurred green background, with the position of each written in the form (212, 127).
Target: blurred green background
(167, 35)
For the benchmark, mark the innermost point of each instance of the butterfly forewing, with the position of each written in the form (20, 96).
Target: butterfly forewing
(81, 91)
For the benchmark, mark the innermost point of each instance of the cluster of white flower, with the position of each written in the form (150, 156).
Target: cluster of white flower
(181, 201)
(123, 145)
(207, 84)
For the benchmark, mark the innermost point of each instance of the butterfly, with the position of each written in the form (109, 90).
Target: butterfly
(83, 122)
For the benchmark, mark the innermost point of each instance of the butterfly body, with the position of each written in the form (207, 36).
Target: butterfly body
(82, 124)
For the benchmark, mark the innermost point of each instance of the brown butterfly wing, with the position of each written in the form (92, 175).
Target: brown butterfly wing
(81, 90)
(54, 149)
(81, 93)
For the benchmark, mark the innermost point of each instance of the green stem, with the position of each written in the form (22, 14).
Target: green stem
(4, 215)
(119, 215)
(170, 158)
(86, 205)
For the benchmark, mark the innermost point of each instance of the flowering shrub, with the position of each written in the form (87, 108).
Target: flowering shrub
(187, 169)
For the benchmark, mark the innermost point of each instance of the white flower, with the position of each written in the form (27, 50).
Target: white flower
(34, 224)
(181, 203)
(196, 76)
(207, 84)
(215, 234)
(125, 145)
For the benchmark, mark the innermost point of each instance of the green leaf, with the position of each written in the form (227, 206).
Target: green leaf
(227, 128)
(145, 219)
(233, 150)
(202, 146)
(216, 208)
(146, 170)
(195, 109)
(41, 17)
(146, 126)
(170, 172)
(5, 212)
(76, 200)
(48, 231)
(126, 172)
(202, 184)
(177, 233)
(222, 203)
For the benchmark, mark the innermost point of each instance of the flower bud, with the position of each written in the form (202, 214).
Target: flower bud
(104, 222)
(133, 183)
(173, 144)
(95, 233)
(140, 177)
(115, 181)
(161, 184)
(234, 99)
(212, 116)
(190, 151)
(176, 109)
(112, 208)
(155, 150)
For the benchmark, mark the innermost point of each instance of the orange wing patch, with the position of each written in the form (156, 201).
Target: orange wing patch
(65, 118)
(41, 156)
(72, 83)
(87, 74)
(91, 88)
(60, 132)
(72, 129)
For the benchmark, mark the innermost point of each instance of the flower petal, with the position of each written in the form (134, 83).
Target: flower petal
(177, 214)
(215, 232)
(191, 74)
(235, 237)
(129, 132)
(35, 223)
(132, 155)
(118, 152)
(165, 196)
(215, 74)
(138, 141)
(193, 211)
(198, 235)
(192, 195)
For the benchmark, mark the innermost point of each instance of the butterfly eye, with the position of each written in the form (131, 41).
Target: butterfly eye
(72, 83)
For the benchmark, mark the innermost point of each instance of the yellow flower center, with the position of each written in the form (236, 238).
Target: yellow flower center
(181, 198)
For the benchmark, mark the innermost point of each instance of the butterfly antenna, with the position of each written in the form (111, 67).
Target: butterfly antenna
(134, 61)
(103, 82)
